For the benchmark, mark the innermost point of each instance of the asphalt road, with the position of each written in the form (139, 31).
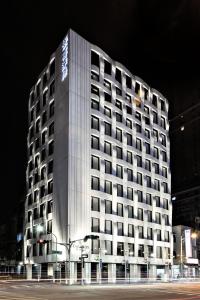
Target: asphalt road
(49, 291)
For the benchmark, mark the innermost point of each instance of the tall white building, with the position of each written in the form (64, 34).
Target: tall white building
(98, 163)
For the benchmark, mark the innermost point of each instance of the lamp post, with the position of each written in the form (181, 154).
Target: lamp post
(127, 253)
(100, 262)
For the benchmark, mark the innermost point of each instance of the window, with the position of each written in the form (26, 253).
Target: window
(130, 230)
(108, 207)
(131, 249)
(120, 249)
(128, 98)
(94, 123)
(146, 109)
(107, 67)
(95, 204)
(43, 154)
(141, 250)
(108, 167)
(49, 206)
(94, 104)
(140, 214)
(107, 97)
(119, 152)
(52, 88)
(129, 157)
(107, 84)
(42, 191)
(130, 211)
(43, 173)
(129, 139)
(108, 128)
(94, 58)
(120, 229)
(147, 121)
(155, 134)
(35, 213)
(140, 196)
(130, 175)
(164, 156)
(158, 252)
(37, 143)
(166, 220)
(155, 117)
(128, 82)
(149, 233)
(157, 184)
(164, 172)
(52, 68)
(95, 246)
(44, 137)
(95, 225)
(129, 123)
(156, 166)
(137, 88)
(51, 147)
(30, 199)
(148, 199)
(36, 193)
(147, 133)
(147, 146)
(138, 144)
(108, 226)
(119, 171)
(34, 249)
(148, 164)
(108, 187)
(118, 75)
(94, 76)
(49, 247)
(149, 216)
(118, 117)
(165, 187)
(107, 148)
(157, 218)
(44, 117)
(119, 134)
(118, 91)
(162, 122)
(120, 209)
(37, 126)
(94, 90)
(49, 226)
(50, 187)
(162, 104)
(108, 247)
(140, 232)
(157, 200)
(139, 160)
(154, 100)
(163, 139)
(129, 193)
(138, 128)
(95, 183)
(51, 129)
(129, 110)
(37, 107)
(166, 236)
(138, 115)
(139, 178)
(107, 111)
(95, 162)
(44, 98)
(50, 167)
(95, 142)
(165, 204)
(51, 109)
(119, 190)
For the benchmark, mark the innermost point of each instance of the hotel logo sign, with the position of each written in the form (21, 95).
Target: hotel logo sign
(65, 58)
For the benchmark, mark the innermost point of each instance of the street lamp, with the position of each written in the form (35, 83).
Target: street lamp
(101, 251)
(127, 253)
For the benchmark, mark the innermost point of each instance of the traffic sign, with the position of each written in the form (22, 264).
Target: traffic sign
(56, 252)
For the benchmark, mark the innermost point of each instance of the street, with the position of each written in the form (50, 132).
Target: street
(16, 290)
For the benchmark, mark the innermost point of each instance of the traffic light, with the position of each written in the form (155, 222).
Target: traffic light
(42, 241)
(91, 237)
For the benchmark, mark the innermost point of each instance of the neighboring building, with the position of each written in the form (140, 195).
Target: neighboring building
(185, 262)
(98, 163)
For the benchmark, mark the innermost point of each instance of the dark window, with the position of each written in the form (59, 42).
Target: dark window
(95, 142)
(108, 128)
(120, 248)
(139, 178)
(95, 183)
(128, 98)
(43, 154)
(140, 196)
(95, 162)
(34, 249)
(94, 104)
(107, 148)
(155, 117)
(165, 204)
(95, 204)
(50, 167)
(52, 67)
(130, 211)
(159, 238)
(51, 109)
(44, 117)
(107, 97)
(154, 100)
(44, 137)
(146, 94)
(130, 230)
(163, 123)
(108, 207)
(108, 247)
(130, 175)
(162, 103)
(107, 84)
(129, 123)
(138, 128)
(118, 118)
(107, 67)
(52, 88)
(129, 139)
(43, 173)
(163, 139)
(95, 246)
(37, 126)
(119, 171)
(155, 134)
(138, 144)
(95, 225)
(94, 123)
(164, 156)
(147, 133)
(140, 214)
(119, 152)
(94, 76)
(148, 199)
(118, 91)
(140, 232)
(94, 58)
(149, 215)
(155, 152)
(108, 187)
(156, 166)
(118, 104)
(42, 191)
(137, 88)
(118, 75)
(139, 160)
(119, 190)
(51, 129)
(149, 233)
(129, 157)
(44, 80)
(51, 147)
(128, 82)
(165, 187)
(108, 227)
(35, 213)
(157, 218)
(37, 143)
(94, 90)
(148, 181)
(108, 167)
(44, 98)
(129, 110)
(49, 206)
(42, 210)
(147, 146)
(147, 121)
(119, 134)
(38, 107)
(138, 115)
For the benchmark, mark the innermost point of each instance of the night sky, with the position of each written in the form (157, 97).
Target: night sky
(158, 41)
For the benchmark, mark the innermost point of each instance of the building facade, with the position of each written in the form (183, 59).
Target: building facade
(185, 253)
(98, 163)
